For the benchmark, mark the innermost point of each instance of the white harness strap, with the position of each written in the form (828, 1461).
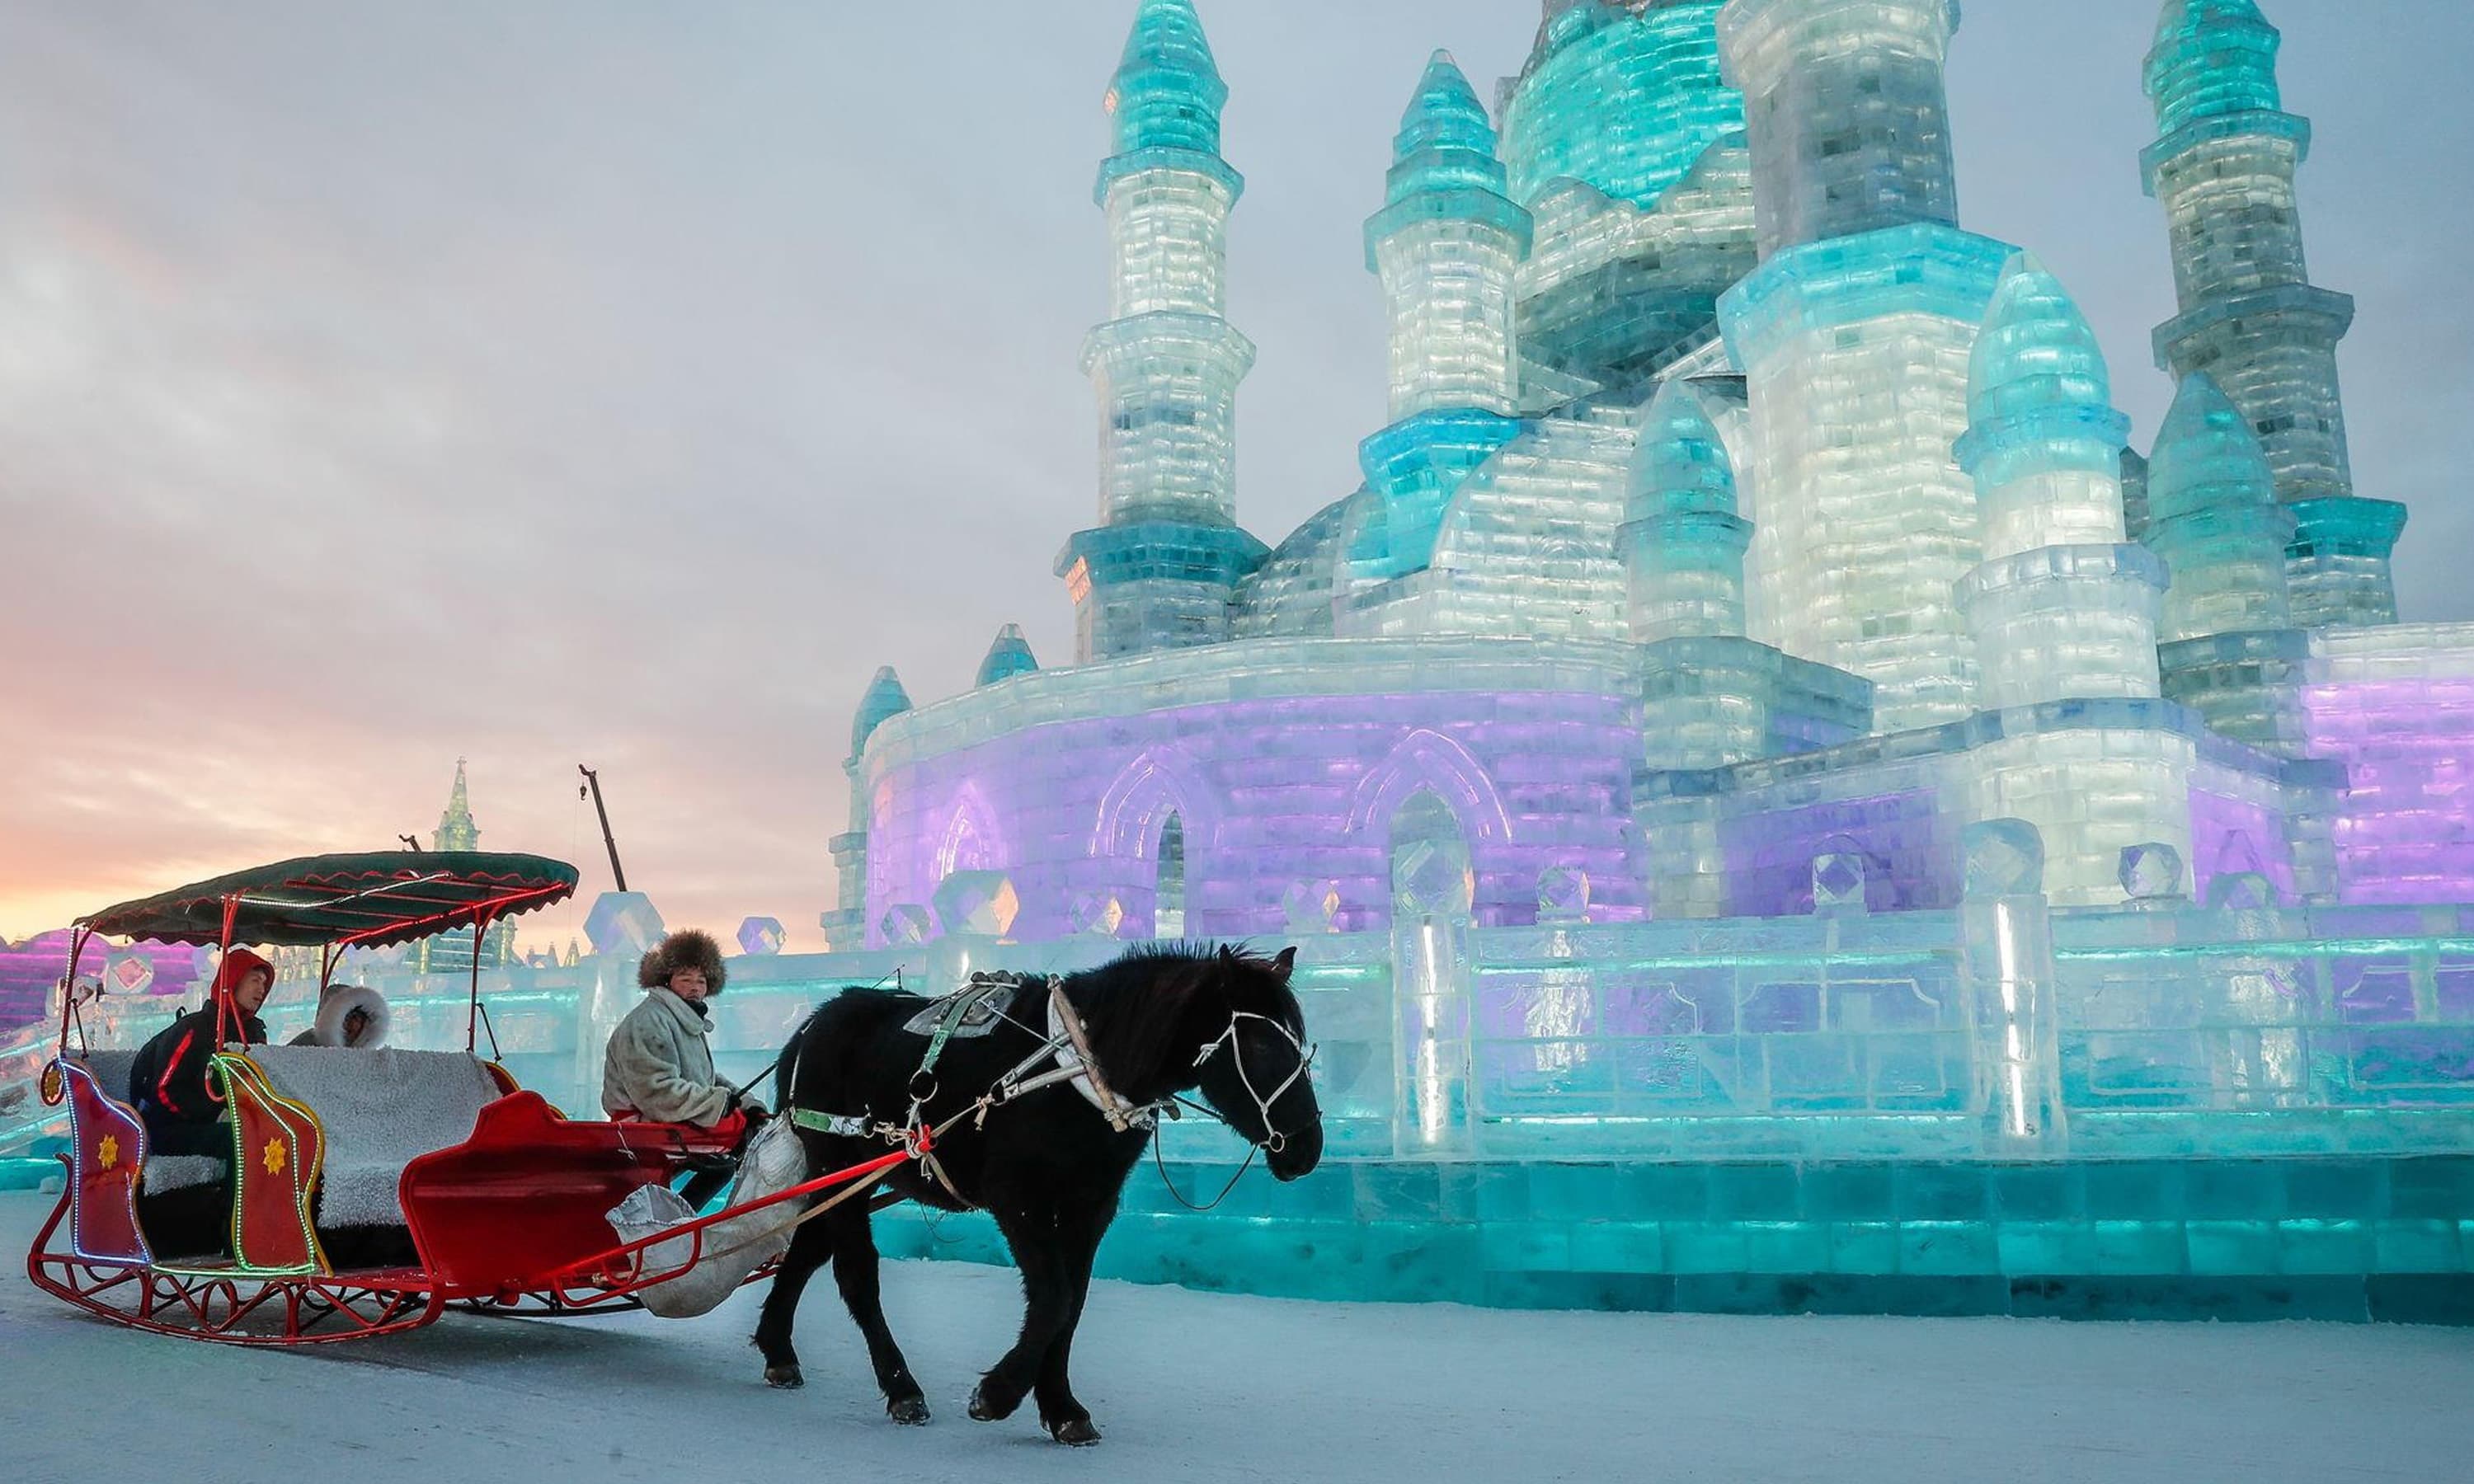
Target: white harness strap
(1067, 1045)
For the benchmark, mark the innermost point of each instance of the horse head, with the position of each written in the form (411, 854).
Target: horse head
(1251, 1058)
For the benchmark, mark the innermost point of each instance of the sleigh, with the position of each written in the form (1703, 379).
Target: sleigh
(367, 1192)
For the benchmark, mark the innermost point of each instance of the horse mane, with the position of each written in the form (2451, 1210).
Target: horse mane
(1138, 1005)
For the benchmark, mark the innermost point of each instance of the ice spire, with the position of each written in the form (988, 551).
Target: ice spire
(1167, 93)
(457, 830)
(847, 925)
(1445, 244)
(2223, 166)
(2064, 607)
(2212, 57)
(1008, 656)
(884, 700)
(2044, 443)
(2213, 519)
(1683, 538)
(1158, 571)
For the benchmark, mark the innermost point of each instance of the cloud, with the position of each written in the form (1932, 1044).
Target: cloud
(611, 383)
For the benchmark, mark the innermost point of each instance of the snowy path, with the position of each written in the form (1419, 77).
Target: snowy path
(1197, 1386)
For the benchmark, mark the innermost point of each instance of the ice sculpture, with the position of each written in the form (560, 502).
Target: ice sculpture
(1622, 138)
(1855, 332)
(1684, 541)
(1008, 656)
(1444, 245)
(1158, 573)
(2223, 167)
(2063, 606)
(1618, 93)
(1848, 118)
(884, 699)
(2213, 519)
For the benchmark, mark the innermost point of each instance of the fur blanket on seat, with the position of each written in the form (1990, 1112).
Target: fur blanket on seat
(381, 1109)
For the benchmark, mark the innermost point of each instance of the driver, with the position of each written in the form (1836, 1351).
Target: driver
(167, 1082)
(659, 1064)
(659, 1067)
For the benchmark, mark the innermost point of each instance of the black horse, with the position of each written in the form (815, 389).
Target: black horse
(1047, 1166)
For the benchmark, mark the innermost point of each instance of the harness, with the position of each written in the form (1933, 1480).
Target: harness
(988, 999)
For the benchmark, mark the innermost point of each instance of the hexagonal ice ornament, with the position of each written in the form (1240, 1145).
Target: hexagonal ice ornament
(2003, 859)
(981, 903)
(2151, 871)
(1563, 893)
(1838, 882)
(1095, 912)
(1429, 876)
(904, 923)
(622, 923)
(2241, 891)
(761, 937)
(127, 972)
(1311, 907)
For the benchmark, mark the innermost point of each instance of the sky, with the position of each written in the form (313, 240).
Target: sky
(620, 383)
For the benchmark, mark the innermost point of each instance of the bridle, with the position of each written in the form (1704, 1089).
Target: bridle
(1273, 1141)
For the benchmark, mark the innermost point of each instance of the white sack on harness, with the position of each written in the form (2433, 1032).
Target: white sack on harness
(774, 1162)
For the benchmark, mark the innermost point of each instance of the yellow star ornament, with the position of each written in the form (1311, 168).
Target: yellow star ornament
(107, 1153)
(274, 1160)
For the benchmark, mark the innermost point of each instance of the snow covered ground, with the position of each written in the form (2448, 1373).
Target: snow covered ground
(1200, 1387)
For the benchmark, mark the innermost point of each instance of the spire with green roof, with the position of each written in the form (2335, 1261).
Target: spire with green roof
(2223, 166)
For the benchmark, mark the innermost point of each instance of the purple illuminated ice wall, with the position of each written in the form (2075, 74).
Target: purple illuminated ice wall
(1271, 792)
(2396, 707)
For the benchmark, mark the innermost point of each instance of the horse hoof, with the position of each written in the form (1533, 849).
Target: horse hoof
(985, 1409)
(1075, 1432)
(909, 1411)
(784, 1377)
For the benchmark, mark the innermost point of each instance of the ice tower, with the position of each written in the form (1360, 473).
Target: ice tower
(1158, 571)
(2231, 648)
(2064, 607)
(1444, 245)
(452, 952)
(1855, 332)
(847, 925)
(2223, 166)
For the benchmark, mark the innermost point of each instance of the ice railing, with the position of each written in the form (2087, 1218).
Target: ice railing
(2001, 1029)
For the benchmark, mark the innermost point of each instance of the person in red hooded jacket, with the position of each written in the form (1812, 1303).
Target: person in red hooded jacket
(167, 1082)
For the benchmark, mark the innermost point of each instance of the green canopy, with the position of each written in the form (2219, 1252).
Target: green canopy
(365, 901)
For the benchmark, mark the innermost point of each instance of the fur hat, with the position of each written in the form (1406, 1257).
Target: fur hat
(685, 948)
(337, 1005)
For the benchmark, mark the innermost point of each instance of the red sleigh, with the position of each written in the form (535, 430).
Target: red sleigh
(502, 1203)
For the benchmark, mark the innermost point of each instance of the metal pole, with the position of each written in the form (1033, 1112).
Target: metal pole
(473, 1005)
(593, 781)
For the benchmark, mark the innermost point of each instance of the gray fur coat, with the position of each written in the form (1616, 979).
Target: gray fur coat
(660, 1066)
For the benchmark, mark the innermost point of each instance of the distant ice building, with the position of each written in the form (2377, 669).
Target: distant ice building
(1738, 509)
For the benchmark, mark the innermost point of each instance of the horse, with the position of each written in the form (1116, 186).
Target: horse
(1047, 1164)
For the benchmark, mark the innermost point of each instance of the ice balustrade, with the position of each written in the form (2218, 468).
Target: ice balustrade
(2160, 1028)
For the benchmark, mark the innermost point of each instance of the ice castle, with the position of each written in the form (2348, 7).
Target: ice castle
(1779, 809)
(1738, 508)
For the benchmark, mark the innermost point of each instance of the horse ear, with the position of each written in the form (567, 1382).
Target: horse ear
(1285, 960)
(1227, 953)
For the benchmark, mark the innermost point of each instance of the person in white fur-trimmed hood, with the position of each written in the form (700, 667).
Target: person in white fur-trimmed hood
(349, 1014)
(659, 1064)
